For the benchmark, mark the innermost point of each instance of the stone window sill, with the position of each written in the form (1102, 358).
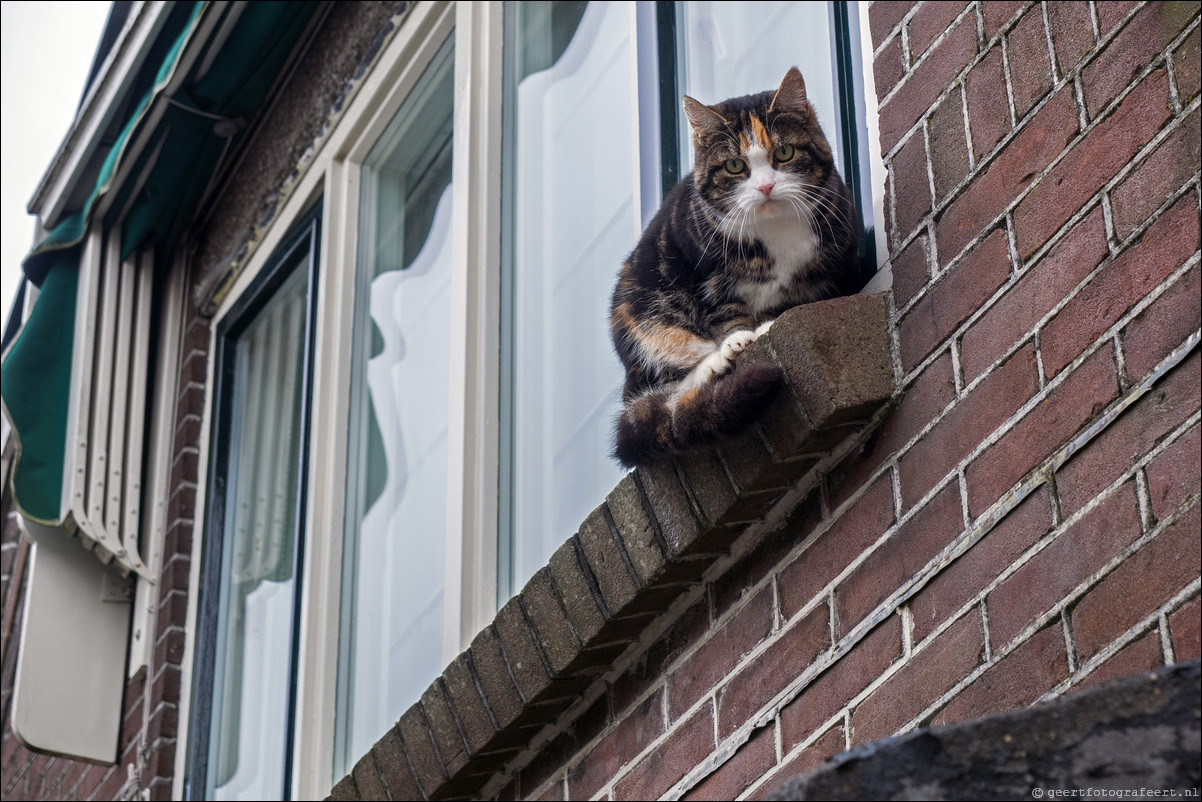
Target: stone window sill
(662, 532)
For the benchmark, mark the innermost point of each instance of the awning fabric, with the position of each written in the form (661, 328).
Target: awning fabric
(183, 154)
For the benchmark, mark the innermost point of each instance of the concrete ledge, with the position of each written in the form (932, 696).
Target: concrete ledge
(651, 540)
(1135, 733)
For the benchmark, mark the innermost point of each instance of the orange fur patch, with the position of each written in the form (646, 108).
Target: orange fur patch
(673, 345)
(761, 133)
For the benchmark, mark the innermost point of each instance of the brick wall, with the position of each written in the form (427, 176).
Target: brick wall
(1027, 520)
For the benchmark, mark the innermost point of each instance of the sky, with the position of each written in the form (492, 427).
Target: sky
(46, 54)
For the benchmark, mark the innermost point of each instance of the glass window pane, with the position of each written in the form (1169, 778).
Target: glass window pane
(733, 49)
(391, 632)
(247, 752)
(569, 219)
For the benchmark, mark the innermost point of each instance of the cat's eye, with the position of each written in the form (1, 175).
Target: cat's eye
(783, 153)
(735, 166)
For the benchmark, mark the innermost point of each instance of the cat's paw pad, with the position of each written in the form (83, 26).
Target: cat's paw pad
(735, 342)
(762, 329)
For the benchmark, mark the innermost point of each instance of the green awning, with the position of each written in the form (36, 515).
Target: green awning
(202, 123)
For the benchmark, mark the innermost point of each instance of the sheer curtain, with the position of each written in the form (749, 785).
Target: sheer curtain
(257, 597)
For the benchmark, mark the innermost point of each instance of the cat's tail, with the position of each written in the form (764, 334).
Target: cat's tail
(663, 422)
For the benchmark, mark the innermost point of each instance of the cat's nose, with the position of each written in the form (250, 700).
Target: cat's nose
(766, 188)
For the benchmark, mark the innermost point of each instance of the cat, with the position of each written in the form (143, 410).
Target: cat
(764, 223)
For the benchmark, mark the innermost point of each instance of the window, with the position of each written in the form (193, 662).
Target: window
(392, 587)
(246, 652)
(593, 135)
(479, 195)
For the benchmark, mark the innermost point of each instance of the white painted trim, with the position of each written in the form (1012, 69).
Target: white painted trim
(469, 598)
(158, 469)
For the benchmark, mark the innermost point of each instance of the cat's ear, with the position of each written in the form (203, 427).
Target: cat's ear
(703, 118)
(792, 93)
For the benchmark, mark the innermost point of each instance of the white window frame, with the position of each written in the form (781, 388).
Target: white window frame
(333, 177)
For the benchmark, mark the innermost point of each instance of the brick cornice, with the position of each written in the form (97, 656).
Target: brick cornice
(659, 533)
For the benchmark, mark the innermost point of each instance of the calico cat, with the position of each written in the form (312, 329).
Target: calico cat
(763, 224)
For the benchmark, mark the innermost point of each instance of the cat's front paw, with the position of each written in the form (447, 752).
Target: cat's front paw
(735, 342)
(709, 368)
(762, 329)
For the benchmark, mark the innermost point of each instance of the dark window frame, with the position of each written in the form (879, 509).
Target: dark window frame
(301, 243)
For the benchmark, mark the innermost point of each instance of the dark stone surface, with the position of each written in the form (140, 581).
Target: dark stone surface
(1136, 733)
(836, 356)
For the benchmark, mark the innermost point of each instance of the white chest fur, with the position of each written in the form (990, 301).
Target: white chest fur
(791, 244)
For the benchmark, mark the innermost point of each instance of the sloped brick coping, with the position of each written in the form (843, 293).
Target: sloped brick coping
(655, 536)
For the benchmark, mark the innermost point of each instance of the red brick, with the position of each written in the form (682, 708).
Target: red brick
(630, 736)
(1187, 67)
(688, 745)
(955, 585)
(743, 768)
(997, 13)
(1018, 680)
(949, 149)
(930, 673)
(1015, 314)
(1139, 657)
(911, 186)
(830, 744)
(1067, 409)
(1128, 438)
(1134, 273)
(856, 529)
(985, 408)
(888, 68)
(740, 578)
(571, 741)
(778, 665)
(901, 557)
(910, 273)
(1162, 173)
(1162, 326)
(1091, 163)
(931, 19)
(718, 656)
(926, 397)
(927, 81)
(651, 666)
(1184, 629)
(1063, 564)
(1140, 585)
(1173, 474)
(1110, 12)
(840, 683)
(883, 18)
(1030, 67)
(111, 784)
(1026, 155)
(954, 297)
(1072, 33)
(552, 794)
(1140, 41)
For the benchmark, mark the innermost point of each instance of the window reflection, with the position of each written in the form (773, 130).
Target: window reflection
(396, 474)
